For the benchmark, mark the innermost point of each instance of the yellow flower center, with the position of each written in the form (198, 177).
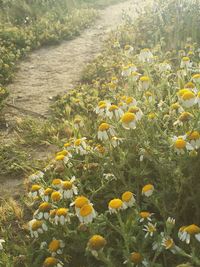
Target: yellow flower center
(86, 210)
(133, 109)
(56, 196)
(67, 185)
(60, 157)
(81, 201)
(104, 127)
(115, 203)
(103, 106)
(67, 144)
(188, 95)
(56, 181)
(50, 261)
(196, 76)
(180, 143)
(136, 257)
(77, 142)
(185, 59)
(183, 91)
(35, 187)
(169, 243)
(45, 206)
(189, 85)
(147, 188)
(97, 242)
(129, 100)
(54, 245)
(144, 214)
(144, 79)
(127, 196)
(61, 212)
(128, 117)
(175, 106)
(48, 191)
(192, 229)
(36, 225)
(101, 103)
(185, 116)
(63, 152)
(113, 107)
(194, 135)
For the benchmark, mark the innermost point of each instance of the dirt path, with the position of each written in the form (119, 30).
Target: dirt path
(54, 70)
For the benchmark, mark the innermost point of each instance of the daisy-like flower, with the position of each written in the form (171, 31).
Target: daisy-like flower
(102, 108)
(186, 232)
(128, 199)
(184, 117)
(128, 69)
(136, 258)
(57, 183)
(129, 120)
(43, 211)
(134, 76)
(61, 216)
(68, 189)
(187, 98)
(81, 146)
(114, 111)
(36, 191)
(37, 227)
(116, 205)
(86, 213)
(56, 196)
(79, 202)
(47, 194)
(145, 55)
(196, 78)
(147, 190)
(185, 63)
(56, 247)
(130, 101)
(78, 122)
(144, 83)
(176, 107)
(191, 86)
(64, 156)
(137, 111)
(1, 243)
(52, 262)
(168, 243)
(180, 144)
(194, 139)
(116, 141)
(96, 243)
(145, 215)
(149, 96)
(105, 130)
(150, 229)
(36, 176)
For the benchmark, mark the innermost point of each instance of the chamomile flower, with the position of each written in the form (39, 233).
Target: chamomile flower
(129, 120)
(137, 111)
(114, 111)
(57, 183)
(78, 122)
(47, 194)
(68, 189)
(102, 108)
(184, 117)
(191, 230)
(134, 76)
(168, 243)
(62, 216)
(194, 139)
(56, 196)
(96, 242)
(43, 211)
(185, 63)
(176, 107)
(105, 130)
(36, 176)
(116, 205)
(136, 258)
(130, 101)
(37, 227)
(128, 199)
(64, 156)
(187, 98)
(145, 215)
(80, 146)
(191, 86)
(147, 190)
(79, 202)
(144, 83)
(196, 78)
(150, 229)
(128, 69)
(86, 213)
(56, 247)
(52, 262)
(181, 145)
(145, 55)
(36, 191)
(116, 141)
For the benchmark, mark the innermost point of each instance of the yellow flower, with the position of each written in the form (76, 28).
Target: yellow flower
(96, 242)
(62, 216)
(128, 199)
(116, 205)
(147, 190)
(129, 120)
(136, 257)
(86, 214)
(50, 262)
(56, 196)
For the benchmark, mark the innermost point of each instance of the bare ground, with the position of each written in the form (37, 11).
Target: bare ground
(54, 70)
